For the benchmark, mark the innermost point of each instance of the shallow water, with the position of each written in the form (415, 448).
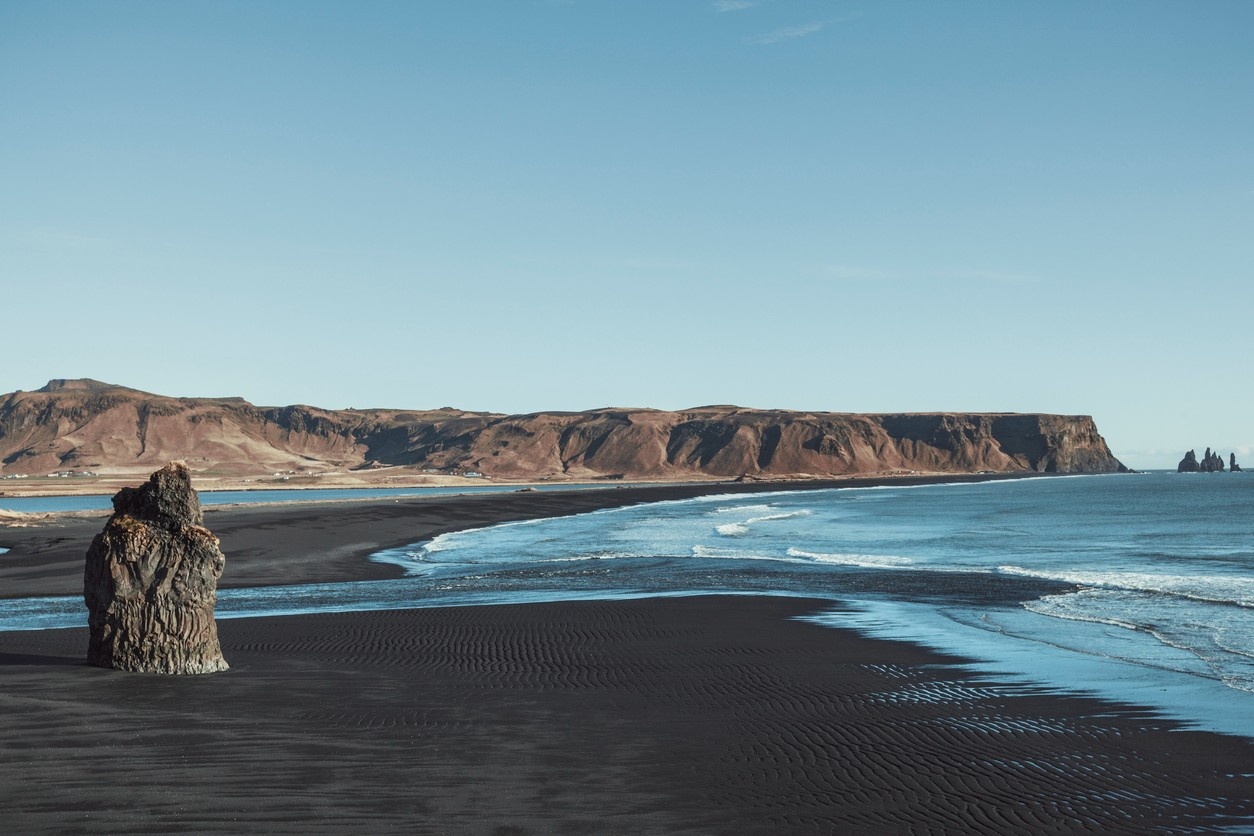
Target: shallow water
(1152, 571)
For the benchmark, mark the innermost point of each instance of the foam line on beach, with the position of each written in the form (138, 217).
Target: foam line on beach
(1224, 590)
(994, 645)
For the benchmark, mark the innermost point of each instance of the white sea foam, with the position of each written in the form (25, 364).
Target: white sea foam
(439, 544)
(720, 498)
(744, 509)
(867, 561)
(714, 552)
(764, 513)
(783, 515)
(1225, 589)
(1220, 636)
(601, 555)
(451, 539)
(1062, 606)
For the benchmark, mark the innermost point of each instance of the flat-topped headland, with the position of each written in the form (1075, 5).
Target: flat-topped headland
(77, 431)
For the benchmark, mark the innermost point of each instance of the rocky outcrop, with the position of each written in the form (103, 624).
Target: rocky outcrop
(1233, 466)
(88, 425)
(151, 581)
(1211, 462)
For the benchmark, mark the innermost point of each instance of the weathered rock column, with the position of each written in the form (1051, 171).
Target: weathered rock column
(151, 581)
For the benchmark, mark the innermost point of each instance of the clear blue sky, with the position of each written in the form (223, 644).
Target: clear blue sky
(514, 206)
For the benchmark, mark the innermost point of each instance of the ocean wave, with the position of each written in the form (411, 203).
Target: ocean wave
(449, 539)
(716, 553)
(1216, 590)
(783, 515)
(602, 555)
(744, 509)
(1220, 637)
(766, 513)
(868, 561)
(716, 498)
(439, 544)
(1057, 607)
(1223, 640)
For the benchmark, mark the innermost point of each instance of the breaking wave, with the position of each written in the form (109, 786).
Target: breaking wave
(1226, 589)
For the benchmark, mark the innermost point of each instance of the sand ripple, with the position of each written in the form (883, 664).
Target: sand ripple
(702, 715)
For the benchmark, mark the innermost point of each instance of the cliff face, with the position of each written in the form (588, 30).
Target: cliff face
(729, 442)
(86, 425)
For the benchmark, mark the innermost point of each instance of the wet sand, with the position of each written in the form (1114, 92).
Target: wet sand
(712, 714)
(678, 715)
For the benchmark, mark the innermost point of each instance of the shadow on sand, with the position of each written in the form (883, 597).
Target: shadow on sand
(7, 659)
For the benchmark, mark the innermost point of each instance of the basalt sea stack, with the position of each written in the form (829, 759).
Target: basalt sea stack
(151, 581)
(1211, 462)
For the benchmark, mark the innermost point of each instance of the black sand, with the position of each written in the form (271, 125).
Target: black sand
(704, 715)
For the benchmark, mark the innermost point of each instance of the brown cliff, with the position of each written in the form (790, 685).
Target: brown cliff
(86, 425)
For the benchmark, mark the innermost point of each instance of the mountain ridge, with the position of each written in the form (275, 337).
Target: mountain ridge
(86, 424)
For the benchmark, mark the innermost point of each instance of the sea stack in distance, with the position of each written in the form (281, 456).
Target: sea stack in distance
(151, 581)
(1211, 462)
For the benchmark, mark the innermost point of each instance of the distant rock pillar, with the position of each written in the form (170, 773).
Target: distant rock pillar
(151, 581)
(1189, 463)
(1232, 463)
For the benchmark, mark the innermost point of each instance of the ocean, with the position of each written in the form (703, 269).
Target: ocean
(1135, 587)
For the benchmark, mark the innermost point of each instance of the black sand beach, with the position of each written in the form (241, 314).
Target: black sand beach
(713, 714)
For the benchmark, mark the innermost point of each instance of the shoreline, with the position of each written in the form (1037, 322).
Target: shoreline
(298, 547)
(330, 541)
(47, 487)
(707, 714)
